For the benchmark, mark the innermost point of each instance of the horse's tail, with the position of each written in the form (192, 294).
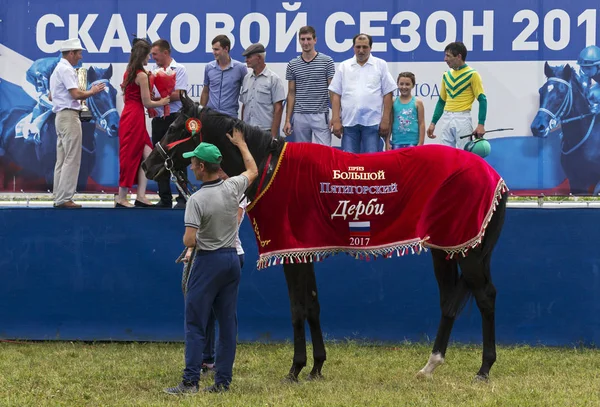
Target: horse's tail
(458, 301)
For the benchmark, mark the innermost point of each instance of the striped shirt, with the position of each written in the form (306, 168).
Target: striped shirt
(312, 80)
(460, 88)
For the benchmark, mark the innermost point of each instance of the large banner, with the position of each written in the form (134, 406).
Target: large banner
(526, 51)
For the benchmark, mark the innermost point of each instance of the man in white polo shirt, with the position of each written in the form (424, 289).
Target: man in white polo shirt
(66, 96)
(361, 99)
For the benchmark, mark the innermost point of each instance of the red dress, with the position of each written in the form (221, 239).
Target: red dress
(133, 135)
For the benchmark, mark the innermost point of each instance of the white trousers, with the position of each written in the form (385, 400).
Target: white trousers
(311, 128)
(457, 124)
(68, 155)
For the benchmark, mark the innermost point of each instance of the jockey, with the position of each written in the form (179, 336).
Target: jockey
(38, 75)
(589, 61)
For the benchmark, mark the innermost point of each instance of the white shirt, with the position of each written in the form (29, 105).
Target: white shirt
(362, 89)
(238, 242)
(181, 83)
(62, 79)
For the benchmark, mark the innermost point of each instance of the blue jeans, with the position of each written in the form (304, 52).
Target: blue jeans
(397, 146)
(213, 285)
(208, 356)
(361, 139)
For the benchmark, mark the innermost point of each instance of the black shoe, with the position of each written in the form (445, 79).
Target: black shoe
(183, 388)
(118, 205)
(163, 204)
(216, 388)
(179, 205)
(141, 204)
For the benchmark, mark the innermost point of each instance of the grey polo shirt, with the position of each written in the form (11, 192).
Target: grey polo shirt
(213, 211)
(258, 94)
(224, 86)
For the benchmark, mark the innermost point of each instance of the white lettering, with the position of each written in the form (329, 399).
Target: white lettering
(589, 18)
(520, 43)
(486, 30)
(283, 37)
(194, 24)
(264, 29)
(330, 29)
(212, 19)
(341, 205)
(83, 32)
(431, 27)
(366, 18)
(41, 31)
(564, 34)
(151, 31)
(116, 27)
(410, 31)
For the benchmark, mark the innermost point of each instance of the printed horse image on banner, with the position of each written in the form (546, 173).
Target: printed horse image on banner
(564, 101)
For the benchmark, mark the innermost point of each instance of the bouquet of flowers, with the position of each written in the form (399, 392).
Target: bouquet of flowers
(164, 80)
(151, 111)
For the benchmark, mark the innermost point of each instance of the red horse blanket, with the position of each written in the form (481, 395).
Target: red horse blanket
(321, 201)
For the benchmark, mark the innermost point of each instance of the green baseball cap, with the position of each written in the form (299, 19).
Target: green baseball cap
(205, 152)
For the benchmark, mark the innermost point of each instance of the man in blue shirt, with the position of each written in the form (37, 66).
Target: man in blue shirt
(223, 79)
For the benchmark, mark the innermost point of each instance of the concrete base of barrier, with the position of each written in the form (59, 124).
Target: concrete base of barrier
(106, 274)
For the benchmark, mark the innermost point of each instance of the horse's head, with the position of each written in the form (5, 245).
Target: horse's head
(214, 127)
(556, 99)
(104, 104)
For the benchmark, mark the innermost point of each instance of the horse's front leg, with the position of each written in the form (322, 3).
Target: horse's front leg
(314, 322)
(295, 276)
(452, 292)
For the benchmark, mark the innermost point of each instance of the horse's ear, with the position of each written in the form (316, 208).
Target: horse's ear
(548, 71)
(108, 73)
(186, 102)
(92, 74)
(567, 71)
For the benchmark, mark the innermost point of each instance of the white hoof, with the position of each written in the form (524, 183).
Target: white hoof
(434, 361)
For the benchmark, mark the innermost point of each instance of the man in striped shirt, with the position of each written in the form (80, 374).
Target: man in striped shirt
(461, 85)
(308, 76)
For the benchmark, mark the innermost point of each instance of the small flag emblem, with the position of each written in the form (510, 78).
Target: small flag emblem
(360, 229)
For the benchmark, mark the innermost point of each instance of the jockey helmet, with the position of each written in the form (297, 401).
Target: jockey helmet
(589, 56)
(480, 146)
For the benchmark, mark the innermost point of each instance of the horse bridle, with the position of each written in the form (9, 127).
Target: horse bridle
(96, 111)
(565, 109)
(178, 177)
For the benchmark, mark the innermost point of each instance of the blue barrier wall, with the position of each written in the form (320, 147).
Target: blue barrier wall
(105, 274)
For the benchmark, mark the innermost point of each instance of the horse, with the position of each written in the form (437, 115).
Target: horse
(35, 152)
(563, 101)
(455, 287)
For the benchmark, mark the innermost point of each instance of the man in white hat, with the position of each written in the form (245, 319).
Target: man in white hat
(66, 96)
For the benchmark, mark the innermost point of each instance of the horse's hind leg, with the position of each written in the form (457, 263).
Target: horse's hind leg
(476, 270)
(314, 322)
(452, 292)
(295, 276)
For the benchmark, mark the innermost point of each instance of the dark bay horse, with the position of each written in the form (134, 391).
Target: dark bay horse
(455, 286)
(563, 101)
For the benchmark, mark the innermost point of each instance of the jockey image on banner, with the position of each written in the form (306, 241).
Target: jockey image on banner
(28, 135)
(38, 75)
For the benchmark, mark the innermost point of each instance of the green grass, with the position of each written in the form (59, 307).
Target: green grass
(134, 374)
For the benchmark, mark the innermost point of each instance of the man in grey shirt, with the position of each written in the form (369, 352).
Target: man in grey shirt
(262, 92)
(211, 226)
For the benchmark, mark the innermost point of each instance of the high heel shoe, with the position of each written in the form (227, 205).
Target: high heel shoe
(141, 204)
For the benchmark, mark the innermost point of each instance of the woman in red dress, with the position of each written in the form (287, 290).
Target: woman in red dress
(134, 141)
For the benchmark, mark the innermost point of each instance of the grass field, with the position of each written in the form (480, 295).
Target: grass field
(134, 374)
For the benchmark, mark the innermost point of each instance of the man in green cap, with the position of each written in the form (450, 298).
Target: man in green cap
(211, 228)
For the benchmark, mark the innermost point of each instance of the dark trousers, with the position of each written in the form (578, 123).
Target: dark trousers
(208, 356)
(213, 285)
(160, 125)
